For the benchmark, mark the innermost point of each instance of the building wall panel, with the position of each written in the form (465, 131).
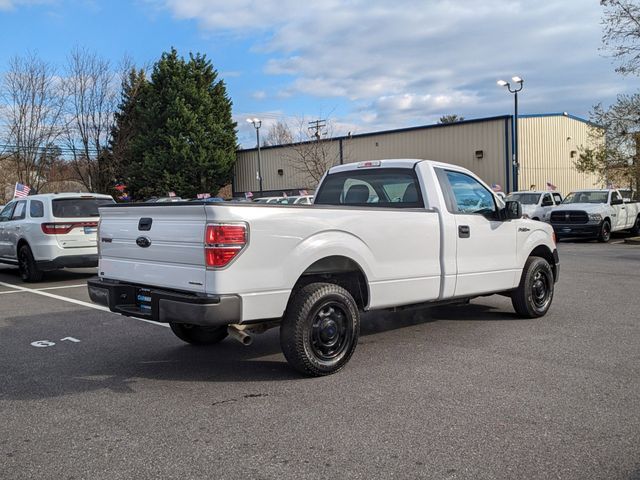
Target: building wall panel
(545, 147)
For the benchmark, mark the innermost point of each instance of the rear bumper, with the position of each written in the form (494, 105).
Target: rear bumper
(166, 306)
(581, 230)
(69, 261)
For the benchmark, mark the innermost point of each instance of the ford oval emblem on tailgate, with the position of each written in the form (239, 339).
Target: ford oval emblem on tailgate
(143, 242)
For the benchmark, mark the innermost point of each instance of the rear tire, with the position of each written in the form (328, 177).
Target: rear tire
(534, 295)
(605, 232)
(635, 230)
(320, 329)
(197, 334)
(29, 271)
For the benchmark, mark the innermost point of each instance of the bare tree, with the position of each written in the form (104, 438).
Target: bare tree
(278, 134)
(621, 36)
(314, 153)
(32, 113)
(91, 101)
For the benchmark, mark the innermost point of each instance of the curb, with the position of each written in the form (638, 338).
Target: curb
(632, 240)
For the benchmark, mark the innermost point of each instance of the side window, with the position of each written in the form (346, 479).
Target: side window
(7, 211)
(615, 196)
(36, 209)
(469, 195)
(557, 197)
(20, 211)
(546, 201)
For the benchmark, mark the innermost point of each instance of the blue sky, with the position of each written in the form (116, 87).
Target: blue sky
(365, 65)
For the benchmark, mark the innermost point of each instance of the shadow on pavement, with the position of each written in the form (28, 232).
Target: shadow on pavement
(12, 275)
(113, 354)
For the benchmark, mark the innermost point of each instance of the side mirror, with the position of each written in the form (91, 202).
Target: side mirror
(512, 210)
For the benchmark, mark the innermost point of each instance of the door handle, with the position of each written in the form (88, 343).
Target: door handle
(464, 231)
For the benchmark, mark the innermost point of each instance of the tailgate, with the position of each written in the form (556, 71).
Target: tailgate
(154, 245)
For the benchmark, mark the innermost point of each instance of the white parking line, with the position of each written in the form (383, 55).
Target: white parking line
(45, 288)
(71, 300)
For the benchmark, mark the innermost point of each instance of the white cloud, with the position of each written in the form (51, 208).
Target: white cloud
(13, 4)
(407, 60)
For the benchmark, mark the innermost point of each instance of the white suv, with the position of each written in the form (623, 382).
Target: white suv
(51, 231)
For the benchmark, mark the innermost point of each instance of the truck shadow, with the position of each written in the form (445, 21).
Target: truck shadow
(114, 355)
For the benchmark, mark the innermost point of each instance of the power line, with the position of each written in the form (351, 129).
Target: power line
(317, 125)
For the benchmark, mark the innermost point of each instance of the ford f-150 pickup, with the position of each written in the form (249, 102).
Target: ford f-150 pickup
(380, 235)
(595, 214)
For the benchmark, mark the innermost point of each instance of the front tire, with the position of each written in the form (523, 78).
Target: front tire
(605, 232)
(320, 329)
(534, 295)
(29, 271)
(197, 334)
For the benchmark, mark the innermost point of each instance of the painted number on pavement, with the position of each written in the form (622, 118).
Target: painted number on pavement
(48, 343)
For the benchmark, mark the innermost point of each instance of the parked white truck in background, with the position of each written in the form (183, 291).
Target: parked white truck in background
(595, 214)
(381, 235)
(536, 205)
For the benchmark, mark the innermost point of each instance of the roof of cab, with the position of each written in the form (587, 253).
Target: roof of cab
(52, 196)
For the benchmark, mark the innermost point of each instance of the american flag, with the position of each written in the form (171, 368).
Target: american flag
(21, 190)
(172, 194)
(303, 192)
(496, 187)
(551, 186)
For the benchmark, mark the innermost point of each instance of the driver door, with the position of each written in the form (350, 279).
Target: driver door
(621, 211)
(486, 247)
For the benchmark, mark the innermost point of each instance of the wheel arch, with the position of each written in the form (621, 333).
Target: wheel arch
(341, 270)
(543, 251)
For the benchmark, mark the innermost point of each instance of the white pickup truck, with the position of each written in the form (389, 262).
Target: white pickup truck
(381, 235)
(595, 214)
(536, 205)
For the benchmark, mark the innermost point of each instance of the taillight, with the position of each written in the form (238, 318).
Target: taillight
(63, 228)
(223, 243)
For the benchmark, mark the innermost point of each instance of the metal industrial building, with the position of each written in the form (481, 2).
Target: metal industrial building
(548, 145)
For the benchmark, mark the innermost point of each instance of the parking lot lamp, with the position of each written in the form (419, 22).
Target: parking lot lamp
(520, 83)
(257, 123)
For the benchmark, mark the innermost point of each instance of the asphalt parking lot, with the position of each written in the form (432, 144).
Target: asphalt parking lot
(448, 393)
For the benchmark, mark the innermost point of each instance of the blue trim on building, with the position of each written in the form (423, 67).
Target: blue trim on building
(507, 158)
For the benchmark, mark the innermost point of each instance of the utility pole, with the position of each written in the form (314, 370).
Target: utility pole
(317, 125)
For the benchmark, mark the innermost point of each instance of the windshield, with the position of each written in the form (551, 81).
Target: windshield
(78, 207)
(524, 198)
(595, 196)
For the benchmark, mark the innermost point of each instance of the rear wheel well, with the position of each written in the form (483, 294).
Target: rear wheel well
(340, 271)
(21, 242)
(544, 252)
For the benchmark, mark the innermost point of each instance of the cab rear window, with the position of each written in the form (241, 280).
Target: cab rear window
(388, 187)
(78, 207)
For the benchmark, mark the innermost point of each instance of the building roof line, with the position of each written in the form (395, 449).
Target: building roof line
(385, 132)
(559, 114)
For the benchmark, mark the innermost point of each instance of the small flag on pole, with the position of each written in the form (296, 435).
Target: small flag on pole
(21, 190)
(248, 195)
(172, 194)
(496, 187)
(303, 192)
(551, 186)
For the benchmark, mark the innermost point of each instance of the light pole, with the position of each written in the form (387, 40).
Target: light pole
(257, 123)
(516, 164)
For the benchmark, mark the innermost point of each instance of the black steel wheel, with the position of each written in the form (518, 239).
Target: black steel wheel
(605, 232)
(320, 329)
(197, 334)
(29, 271)
(534, 294)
